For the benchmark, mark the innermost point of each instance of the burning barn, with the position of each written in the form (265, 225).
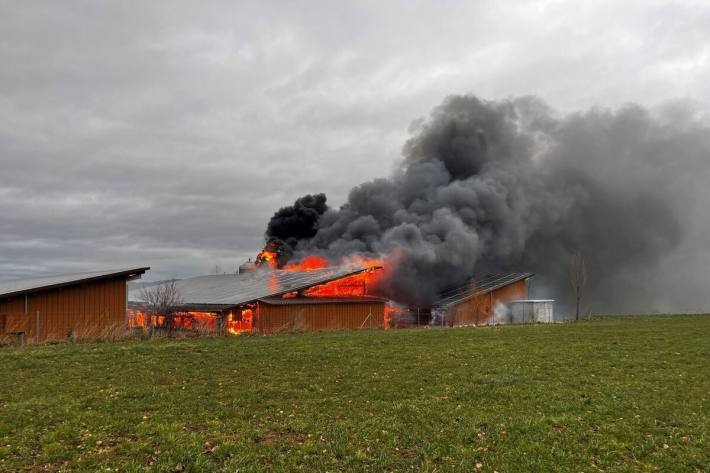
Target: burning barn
(308, 295)
(265, 300)
(277, 292)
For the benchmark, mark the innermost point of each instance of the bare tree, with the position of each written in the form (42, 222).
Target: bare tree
(578, 278)
(162, 300)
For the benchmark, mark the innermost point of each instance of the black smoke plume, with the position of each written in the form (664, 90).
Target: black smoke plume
(298, 222)
(511, 185)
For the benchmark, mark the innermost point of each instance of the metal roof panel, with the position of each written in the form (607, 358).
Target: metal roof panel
(477, 286)
(28, 285)
(238, 289)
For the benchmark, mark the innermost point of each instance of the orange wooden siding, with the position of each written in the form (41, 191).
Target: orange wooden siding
(479, 310)
(84, 308)
(319, 316)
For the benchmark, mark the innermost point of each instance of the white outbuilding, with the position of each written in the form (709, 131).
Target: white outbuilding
(532, 311)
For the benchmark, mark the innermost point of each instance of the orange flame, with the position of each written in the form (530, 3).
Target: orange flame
(357, 285)
(267, 256)
(181, 320)
(244, 324)
(318, 262)
(308, 263)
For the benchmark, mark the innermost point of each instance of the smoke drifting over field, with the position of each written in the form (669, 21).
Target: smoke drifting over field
(489, 186)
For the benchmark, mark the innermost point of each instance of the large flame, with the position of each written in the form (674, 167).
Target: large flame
(181, 320)
(239, 325)
(272, 254)
(269, 257)
(308, 263)
(357, 285)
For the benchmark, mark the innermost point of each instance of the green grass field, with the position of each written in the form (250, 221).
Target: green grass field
(614, 394)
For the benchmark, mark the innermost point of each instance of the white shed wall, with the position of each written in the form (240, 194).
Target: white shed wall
(532, 311)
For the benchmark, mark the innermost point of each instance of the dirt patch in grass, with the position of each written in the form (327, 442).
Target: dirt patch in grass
(281, 436)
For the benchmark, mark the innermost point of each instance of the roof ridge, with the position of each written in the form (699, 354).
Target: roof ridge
(28, 285)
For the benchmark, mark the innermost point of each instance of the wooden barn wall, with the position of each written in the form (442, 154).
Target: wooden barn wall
(479, 310)
(87, 309)
(321, 316)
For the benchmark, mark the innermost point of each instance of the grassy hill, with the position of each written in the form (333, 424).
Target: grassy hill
(614, 394)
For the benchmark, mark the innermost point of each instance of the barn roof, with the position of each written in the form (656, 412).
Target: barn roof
(322, 300)
(26, 286)
(477, 286)
(221, 291)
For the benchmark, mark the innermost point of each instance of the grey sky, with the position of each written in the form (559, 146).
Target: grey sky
(167, 133)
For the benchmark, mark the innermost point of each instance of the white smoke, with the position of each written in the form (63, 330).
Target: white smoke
(501, 313)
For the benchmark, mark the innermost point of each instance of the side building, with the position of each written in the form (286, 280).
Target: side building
(482, 301)
(54, 307)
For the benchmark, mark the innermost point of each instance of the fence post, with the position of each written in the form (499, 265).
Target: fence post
(37, 327)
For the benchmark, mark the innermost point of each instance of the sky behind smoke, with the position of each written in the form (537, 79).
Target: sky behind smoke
(167, 134)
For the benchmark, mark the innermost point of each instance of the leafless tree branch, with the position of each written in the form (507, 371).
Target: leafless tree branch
(162, 300)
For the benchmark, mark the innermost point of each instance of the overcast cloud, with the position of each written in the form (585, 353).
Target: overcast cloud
(167, 133)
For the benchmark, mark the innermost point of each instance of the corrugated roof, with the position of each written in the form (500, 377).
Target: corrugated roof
(228, 290)
(477, 286)
(322, 300)
(26, 286)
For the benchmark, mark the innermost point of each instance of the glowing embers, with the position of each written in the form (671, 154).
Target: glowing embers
(241, 322)
(195, 321)
(208, 322)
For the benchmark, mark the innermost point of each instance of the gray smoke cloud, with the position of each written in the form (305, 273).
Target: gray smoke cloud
(489, 186)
